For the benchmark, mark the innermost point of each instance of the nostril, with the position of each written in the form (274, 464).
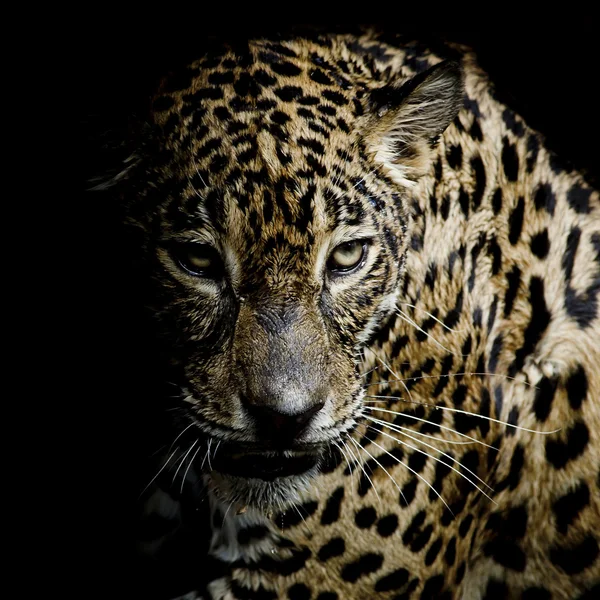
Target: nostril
(304, 417)
(281, 426)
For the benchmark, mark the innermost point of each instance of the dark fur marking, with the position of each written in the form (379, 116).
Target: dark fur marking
(567, 508)
(515, 221)
(575, 559)
(540, 244)
(559, 453)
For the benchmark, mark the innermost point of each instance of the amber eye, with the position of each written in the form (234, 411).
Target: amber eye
(347, 256)
(200, 260)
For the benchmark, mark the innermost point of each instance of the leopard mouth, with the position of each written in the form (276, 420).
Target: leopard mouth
(268, 465)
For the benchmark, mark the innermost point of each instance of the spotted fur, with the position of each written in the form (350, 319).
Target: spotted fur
(474, 320)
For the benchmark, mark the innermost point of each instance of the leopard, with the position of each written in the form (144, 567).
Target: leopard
(376, 290)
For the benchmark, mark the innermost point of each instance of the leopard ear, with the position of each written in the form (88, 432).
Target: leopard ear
(407, 120)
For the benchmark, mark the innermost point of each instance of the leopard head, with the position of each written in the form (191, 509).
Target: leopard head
(274, 203)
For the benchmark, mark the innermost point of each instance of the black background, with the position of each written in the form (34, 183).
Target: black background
(547, 73)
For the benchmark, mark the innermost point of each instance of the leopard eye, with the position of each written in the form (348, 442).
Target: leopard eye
(200, 260)
(347, 256)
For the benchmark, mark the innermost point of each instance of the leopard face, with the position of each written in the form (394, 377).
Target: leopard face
(276, 217)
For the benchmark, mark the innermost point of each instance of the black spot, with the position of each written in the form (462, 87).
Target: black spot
(393, 581)
(421, 539)
(573, 560)
(514, 281)
(497, 201)
(545, 198)
(579, 199)
(444, 380)
(279, 117)
(568, 261)
(506, 553)
(299, 592)
(453, 315)
(286, 68)
(496, 590)
(433, 552)
(413, 528)
(445, 207)
(465, 525)
(408, 492)
(432, 588)
(312, 144)
(464, 202)
(512, 122)
(308, 101)
(510, 160)
(417, 461)
(496, 254)
(567, 508)
(431, 275)
(365, 517)
(331, 513)
(540, 244)
(515, 221)
(460, 573)
(459, 394)
(480, 181)
(538, 322)
(516, 467)
(442, 469)
(560, 453)
(387, 525)
(454, 157)
(289, 93)
(544, 396)
(334, 547)
(536, 593)
(263, 78)
(319, 76)
(450, 552)
(335, 97)
(577, 387)
(497, 345)
(367, 563)
(475, 132)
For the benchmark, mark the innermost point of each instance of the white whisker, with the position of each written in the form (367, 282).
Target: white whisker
(415, 473)
(433, 317)
(188, 467)
(395, 375)
(183, 460)
(360, 464)
(385, 470)
(386, 382)
(406, 318)
(393, 412)
(159, 472)
(434, 458)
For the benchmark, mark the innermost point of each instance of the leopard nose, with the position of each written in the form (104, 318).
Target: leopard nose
(281, 428)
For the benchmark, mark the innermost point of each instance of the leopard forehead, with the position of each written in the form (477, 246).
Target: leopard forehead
(275, 131)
